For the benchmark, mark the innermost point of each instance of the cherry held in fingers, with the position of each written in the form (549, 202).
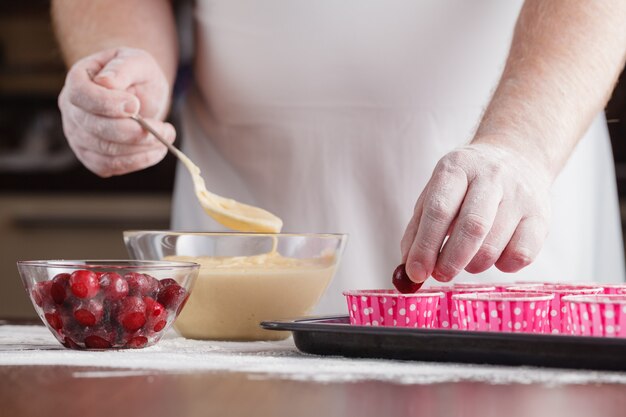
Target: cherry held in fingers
(402, 282)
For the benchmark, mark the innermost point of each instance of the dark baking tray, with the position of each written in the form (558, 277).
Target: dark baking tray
(333, 335)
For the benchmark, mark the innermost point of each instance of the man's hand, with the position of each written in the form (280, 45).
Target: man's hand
(101, 91)
(491, 197)
(491, 202)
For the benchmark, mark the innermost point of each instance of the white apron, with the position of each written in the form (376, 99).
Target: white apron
(332, 115)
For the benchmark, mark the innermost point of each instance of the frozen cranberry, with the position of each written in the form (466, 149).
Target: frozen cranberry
(58, 288)
(160, 325)
(114, 286)
(156, 315)
(402, 282)
(84, 284)
(167, 282)
(97, 342)
(137, 342)
(36, 297)
(141, 284)
(132, 313)
(98, 337)
(54, 319)
(41, 294)
(153, 307)
(172, 297)
(88, 313)
(69, 343)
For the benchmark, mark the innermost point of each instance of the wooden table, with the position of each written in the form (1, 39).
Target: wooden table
(79, 391)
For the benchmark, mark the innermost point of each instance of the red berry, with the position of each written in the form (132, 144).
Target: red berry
(97, 342)
(153, 308)
(98, 337)
(160, 325)
(84, 284)
(41, 294)
(402, 282)
(132, 313)
(114, 286)
(156, 316)
(69, 343)
(36, 297)
(167, 282)
(58, 289)
(54, 319)
(88, 313)
(141, 284)
(172, 297)
(137, 342)
(37, 293)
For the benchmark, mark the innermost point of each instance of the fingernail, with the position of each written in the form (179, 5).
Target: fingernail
(441, 277)
(417, 272)
(131, 107)
(106, 74)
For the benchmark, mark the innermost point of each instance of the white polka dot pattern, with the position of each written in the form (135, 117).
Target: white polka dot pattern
(388, 308)
(601, 315)
(558, 314)
(447, 316)
(508, 315)
(393, 309)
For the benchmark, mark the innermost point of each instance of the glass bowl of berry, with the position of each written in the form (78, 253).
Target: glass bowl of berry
(108, 304)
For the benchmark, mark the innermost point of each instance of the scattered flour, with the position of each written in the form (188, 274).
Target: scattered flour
(34, 345)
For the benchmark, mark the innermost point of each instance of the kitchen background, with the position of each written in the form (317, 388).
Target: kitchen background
(52, 207)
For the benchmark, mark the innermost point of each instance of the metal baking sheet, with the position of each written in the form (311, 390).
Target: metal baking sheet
(333, 335)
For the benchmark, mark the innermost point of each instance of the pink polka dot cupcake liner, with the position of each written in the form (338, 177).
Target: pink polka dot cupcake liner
(558, 313)
(447, 314)
(517, 312)
(597, 315)
(611, 289)
(393, 309)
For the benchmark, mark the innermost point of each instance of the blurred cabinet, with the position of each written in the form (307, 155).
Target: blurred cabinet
(67, 226)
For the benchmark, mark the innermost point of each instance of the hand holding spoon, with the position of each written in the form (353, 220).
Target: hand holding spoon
(230, 213)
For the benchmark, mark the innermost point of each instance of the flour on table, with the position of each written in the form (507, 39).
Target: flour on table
(34, 345)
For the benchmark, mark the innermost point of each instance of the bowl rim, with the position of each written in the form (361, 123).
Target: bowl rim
(152, 265)
(127, 233)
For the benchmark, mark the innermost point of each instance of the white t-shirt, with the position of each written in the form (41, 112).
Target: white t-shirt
(333, 114)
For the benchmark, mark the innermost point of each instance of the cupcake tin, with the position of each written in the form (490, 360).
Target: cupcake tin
(334, 336)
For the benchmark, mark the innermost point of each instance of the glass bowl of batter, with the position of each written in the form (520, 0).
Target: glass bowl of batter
(244, 278)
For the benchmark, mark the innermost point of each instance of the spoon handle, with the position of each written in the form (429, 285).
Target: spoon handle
(150, 129)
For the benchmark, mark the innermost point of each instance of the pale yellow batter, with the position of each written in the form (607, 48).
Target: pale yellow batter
(233, 294)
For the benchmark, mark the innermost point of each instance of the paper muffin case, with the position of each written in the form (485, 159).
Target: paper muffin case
(559, 320)
(597, 315)
(393, 309)
(504, 311)
(447, 315)
(612, 289)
